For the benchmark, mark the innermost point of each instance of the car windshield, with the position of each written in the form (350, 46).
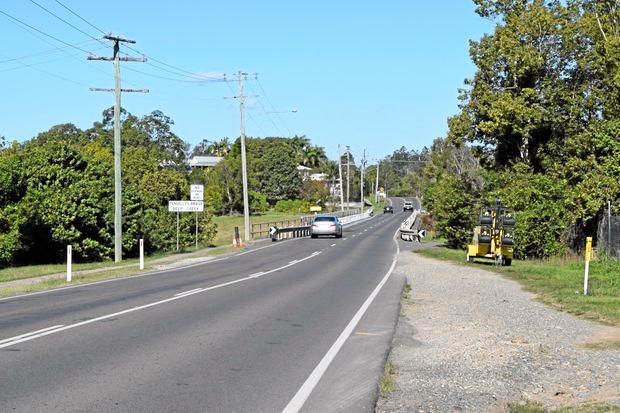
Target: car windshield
(324, 219)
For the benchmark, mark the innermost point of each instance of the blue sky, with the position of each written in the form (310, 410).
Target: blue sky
(369, 74)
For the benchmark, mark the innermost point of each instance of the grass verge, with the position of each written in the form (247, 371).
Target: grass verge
(124, 269)
(559, 282)
(387, 384)
(603, 345)
(33, 271)
(535, 407)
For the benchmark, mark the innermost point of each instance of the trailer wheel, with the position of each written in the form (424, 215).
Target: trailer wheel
(469, 258)
(507, 262)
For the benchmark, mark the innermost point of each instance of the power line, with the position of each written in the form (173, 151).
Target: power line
(35, 63)
(186, 72)
(179, 71)
(265, 111)
(31, 66)
(81, 18)
(42, 52)
(270, 104)
(195, 81)
(15, 19)
(24, 26)
(66, 22)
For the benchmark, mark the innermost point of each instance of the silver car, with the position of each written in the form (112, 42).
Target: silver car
(326, 225)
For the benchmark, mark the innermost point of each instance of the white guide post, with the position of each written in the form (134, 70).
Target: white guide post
(69, 263)
(141, 253)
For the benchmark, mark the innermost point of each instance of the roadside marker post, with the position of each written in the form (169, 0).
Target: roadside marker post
(141, 253)
(69, 254)
(588, 258)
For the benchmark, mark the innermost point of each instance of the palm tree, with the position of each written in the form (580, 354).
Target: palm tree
(314, 156)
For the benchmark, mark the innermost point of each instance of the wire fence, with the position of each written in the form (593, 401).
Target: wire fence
(608, 237)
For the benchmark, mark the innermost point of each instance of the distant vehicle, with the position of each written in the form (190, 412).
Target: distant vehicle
(388, 209)
(408, 206)
(326, 225)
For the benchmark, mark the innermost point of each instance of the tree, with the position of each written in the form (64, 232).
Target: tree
(212, 148)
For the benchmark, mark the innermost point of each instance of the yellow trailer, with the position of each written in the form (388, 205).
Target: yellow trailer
(493, 238)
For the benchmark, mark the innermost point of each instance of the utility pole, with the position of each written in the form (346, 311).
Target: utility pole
(340, 178)
(363, 169)
(244, 168)
(348, 173)
(116, 59)
(377, 183)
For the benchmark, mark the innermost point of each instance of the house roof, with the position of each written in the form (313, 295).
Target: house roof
(205, 161)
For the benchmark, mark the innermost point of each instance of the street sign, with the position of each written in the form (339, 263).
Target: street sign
(315, 208)
(185, 206)
(197, 192)
(421, 233)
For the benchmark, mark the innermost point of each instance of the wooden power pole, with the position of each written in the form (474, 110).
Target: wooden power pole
(116, 59)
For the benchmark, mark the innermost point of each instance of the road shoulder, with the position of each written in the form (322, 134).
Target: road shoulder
(351, 381)
(470, 340)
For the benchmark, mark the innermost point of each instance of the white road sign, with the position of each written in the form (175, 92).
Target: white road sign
(197, 192)
(185, 206)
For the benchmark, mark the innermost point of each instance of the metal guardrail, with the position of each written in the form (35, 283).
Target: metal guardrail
(276, 233)
(407, 233)
(290, 232)
(261, 231)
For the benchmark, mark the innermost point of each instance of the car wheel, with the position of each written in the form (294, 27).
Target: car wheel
(507, 262)
(313, 235)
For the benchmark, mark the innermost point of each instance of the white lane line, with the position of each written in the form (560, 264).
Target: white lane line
(41, 333)
(333, 245)
(344, 239)
(6, 340)
(306, 389)
(294, 262)
(256, 274)
(188, 292)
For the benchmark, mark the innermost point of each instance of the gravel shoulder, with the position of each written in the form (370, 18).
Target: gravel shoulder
(470, 340)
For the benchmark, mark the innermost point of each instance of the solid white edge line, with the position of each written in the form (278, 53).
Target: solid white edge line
(6, 340)
(37, 334)
(297, 402)
(152, 272)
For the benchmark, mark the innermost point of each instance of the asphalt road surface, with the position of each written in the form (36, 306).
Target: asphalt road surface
(263, 330)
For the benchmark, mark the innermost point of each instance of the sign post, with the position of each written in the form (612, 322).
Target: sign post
(184, 206)
(196, 193)
(588, 258)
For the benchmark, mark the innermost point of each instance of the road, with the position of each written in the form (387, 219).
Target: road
(256, 331)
